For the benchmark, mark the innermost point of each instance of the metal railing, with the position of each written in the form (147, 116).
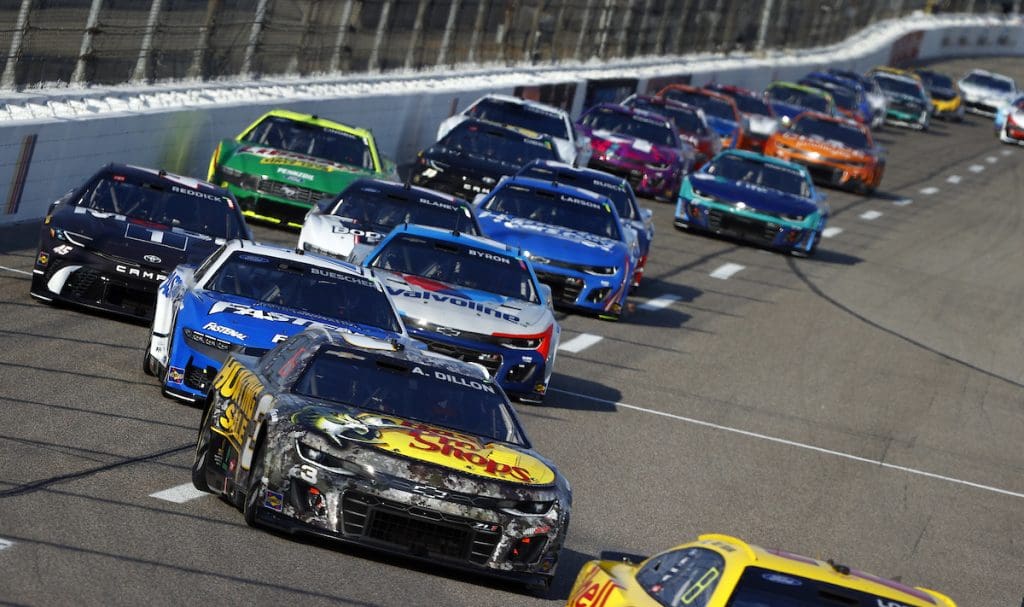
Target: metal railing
(106, 42)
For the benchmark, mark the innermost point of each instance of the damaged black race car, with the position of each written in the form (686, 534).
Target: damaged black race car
(348, 437)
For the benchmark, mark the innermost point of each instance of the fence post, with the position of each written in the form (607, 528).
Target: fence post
(505, 28)
(78, 76)
(449, 29)
(378, 39)
(642, 38)
(255, 34)
(659, 38)
(530, 48)
(307, 25)
(584, 22)
(417, 34)
(142, 65)
(762, 29)
(603, 25)
(9, 78)
(198, 67)
(478, 26)
(339, 42)
(627, 19)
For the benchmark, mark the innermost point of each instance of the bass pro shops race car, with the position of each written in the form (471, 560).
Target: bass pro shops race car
(402, 450)
(108, 243)
(246, 298)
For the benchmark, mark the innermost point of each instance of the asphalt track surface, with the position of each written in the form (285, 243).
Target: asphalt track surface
(866, 405)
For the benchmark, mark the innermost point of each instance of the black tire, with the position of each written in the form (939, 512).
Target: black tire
(147, 361)
(199, 463)
(254, 490)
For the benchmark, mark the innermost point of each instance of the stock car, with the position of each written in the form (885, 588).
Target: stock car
(473, 299)
(838, 151)
(617, 189)
(642, 146)
(346, 437)
(108, 243)
(763, 200)
(721, 111)
(985, 92)
(282, 164)
(534, 116)
(723, 571)
(472, 157)
(850, 100)
(876, 98)
(908, 103)
(1009, 122)
(247, 297)
(367, 210)
(789, 100)
(760, 116)
(944, 93)
(573, 237)
(689, 120)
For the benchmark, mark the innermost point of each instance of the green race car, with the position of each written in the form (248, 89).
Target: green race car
(283, 163)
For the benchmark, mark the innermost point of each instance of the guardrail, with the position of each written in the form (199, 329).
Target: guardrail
(53, 139)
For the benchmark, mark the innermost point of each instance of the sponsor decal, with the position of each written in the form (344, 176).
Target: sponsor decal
(253, 258)
(518, 223)
(63, 249)
(171, 240)
(579, 201)
(455, 379)
(294, 175)
(458, 302)
(140, 273)
(273, 500)
(779, 578)
(244, 310)
(489, 256)
(152, 259)
(196, 193)
(466, 455)
(592, 593)
(243, 390)
(342, 276)
(212, 326)
(429, 491)
(367, 234)
(175, 375)
(439, 204)
(270, 156)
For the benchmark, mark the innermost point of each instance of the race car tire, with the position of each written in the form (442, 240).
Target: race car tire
(199, 480)
(147, 360)
(254, 492)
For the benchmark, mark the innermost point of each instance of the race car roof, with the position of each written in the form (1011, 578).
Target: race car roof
(480, 242)
(312, 119)
(297, 255)
(145, 173)
(399, 190)
(557, 188)
(537, 105)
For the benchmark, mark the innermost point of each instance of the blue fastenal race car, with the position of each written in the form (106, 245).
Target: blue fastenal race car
(247, 297)
(575, 239)
(616, 188)
(473, 299)
(755, 198)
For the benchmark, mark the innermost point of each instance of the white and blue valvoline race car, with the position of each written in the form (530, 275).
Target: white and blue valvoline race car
(245, 298)
(575, 239)
(364, 212)
(473, 299)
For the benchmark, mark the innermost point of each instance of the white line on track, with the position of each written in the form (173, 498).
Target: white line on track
(179, 495)
(929, 190)
(4, 544)
(16, 270)
(725, 271)
(1006, 152)
(662, 301)
(976, 168)
(991, 159)
(902, 202)
(870, 215)
(831, 232)
(954, 179)
(799, 445)
(579, 343)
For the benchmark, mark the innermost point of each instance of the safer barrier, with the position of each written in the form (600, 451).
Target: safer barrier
(52, 140)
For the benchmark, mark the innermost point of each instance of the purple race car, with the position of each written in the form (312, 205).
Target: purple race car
(642, 146)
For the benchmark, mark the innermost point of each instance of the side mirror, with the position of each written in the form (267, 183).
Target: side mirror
(390, 169)
(545, 292)
(478, 199)
(323, 204)
(646, 214)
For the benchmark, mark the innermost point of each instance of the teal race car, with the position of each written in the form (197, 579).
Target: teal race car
(754, 198)
(285, 162)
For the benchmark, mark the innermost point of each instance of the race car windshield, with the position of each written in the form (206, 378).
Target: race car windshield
(498, 144)
(767, 588)
(829, 130)
(324, 292)
(686, 576)
(752, 105)
(765, 174)
(164, 204)
(935, 80)
(547, 207)
(989, 82)
(380, 211)
(432, 395)
(312, 140)
(842, 96)
(457, 264)
(617, 189)
(798, 97)
(520, 115)
(687, 120)
(712, 106)
(658, 133)
(898, 86)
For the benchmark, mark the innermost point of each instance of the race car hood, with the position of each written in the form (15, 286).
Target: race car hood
(241, 321)
(135, 241)
(722, 126)
(476, 166)
(762, 125)
(458, 307)
(787, 110)
(447, 457)
(756, 197)
(639, 150)
(910, 99)
(825, 147)
(976, 91)
(553, 242)
(337, 235)
(291, 168)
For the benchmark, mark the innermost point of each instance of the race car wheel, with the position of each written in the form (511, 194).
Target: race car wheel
(148, 366)
(202, 451)
(254, 492)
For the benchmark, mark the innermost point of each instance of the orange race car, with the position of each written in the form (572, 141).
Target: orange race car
(837, 151)
(719, 571)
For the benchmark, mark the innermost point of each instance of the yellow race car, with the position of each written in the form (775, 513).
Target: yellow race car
(720, 570)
